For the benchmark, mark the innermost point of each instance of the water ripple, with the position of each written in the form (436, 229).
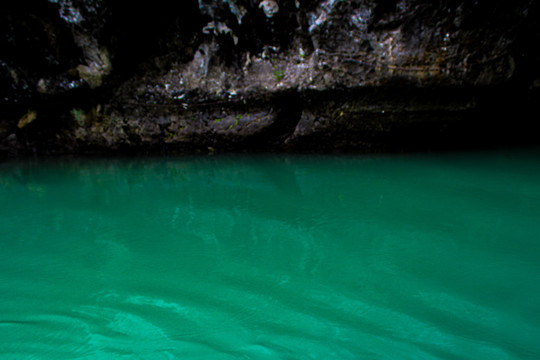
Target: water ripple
(416, 257)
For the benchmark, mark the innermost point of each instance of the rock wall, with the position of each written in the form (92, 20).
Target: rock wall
(96, 76)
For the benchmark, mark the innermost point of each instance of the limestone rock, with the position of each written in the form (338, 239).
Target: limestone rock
(322, 74)
(270, 7)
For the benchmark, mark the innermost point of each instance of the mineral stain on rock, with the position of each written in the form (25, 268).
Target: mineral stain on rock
(270, 7)
(362, 75)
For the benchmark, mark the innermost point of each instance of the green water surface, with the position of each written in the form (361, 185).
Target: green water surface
(272, 257)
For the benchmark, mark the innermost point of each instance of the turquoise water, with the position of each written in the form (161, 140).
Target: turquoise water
(272, 257)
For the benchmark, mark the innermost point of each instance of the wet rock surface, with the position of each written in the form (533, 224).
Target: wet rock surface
(95, 76)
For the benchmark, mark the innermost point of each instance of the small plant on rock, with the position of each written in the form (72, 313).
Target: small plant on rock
(279, 75)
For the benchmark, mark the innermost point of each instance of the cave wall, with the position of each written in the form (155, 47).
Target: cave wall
(97, 76)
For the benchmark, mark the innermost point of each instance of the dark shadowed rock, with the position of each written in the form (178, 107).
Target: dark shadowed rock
(199, 76)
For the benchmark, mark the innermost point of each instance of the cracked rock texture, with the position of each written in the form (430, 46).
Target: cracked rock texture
(97, 76)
